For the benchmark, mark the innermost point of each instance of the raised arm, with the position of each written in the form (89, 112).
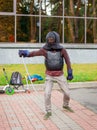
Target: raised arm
(27, 53)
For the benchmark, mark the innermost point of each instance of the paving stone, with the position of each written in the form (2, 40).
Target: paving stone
(23, 111)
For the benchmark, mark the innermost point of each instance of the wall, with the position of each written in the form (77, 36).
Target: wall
(78, 53)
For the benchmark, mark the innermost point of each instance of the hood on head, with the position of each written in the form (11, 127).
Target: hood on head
(55, 45)
(53, 35)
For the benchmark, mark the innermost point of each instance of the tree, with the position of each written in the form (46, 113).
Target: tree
(6, 22)
(28, 7)
(94, 21)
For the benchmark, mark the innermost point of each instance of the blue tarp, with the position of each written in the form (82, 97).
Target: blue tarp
(35, 76)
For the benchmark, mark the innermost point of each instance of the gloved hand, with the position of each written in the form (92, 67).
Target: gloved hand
(70, 75)
(23, 53)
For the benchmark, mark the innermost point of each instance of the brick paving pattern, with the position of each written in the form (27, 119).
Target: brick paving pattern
(23, 111)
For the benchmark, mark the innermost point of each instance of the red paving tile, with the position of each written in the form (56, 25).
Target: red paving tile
(23, 111)
(84, 117)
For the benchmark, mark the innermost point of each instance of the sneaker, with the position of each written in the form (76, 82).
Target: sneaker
(47, 115)
(68, 108)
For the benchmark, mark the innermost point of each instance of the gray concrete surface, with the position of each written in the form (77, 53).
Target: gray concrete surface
(83, 92)
(86, 96)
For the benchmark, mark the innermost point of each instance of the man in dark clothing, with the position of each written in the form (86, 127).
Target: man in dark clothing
(54, 55)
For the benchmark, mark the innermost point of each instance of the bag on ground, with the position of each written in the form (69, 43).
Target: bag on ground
(16, 78)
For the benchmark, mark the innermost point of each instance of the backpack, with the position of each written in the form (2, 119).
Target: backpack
(16, 78)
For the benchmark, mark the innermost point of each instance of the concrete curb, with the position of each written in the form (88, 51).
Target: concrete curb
(83, 84)
(72, 85)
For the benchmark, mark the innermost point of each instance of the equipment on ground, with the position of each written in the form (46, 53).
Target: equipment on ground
(14, 84)
(28, 75)
(7, 89)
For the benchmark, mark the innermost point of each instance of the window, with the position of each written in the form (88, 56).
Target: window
(6, 5)
(50, 24)
(27, 29)
(28, 21)
(72, 32)
(7, 28)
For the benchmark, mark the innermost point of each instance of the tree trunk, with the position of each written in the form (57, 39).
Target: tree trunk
(70, 26)
(94, 21)
(76, 22)
(33, 22)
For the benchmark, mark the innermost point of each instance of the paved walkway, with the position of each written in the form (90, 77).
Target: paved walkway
(24, 111)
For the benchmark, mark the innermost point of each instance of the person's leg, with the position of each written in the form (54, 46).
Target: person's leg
(61, 80)
(48, 89)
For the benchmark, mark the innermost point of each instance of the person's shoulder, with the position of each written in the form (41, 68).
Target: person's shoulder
(43, 50)
(63, 49)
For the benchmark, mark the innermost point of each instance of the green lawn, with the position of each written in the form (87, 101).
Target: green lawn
(81, 72)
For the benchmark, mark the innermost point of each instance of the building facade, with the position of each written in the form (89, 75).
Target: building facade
(28, 21)
(25, 23)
